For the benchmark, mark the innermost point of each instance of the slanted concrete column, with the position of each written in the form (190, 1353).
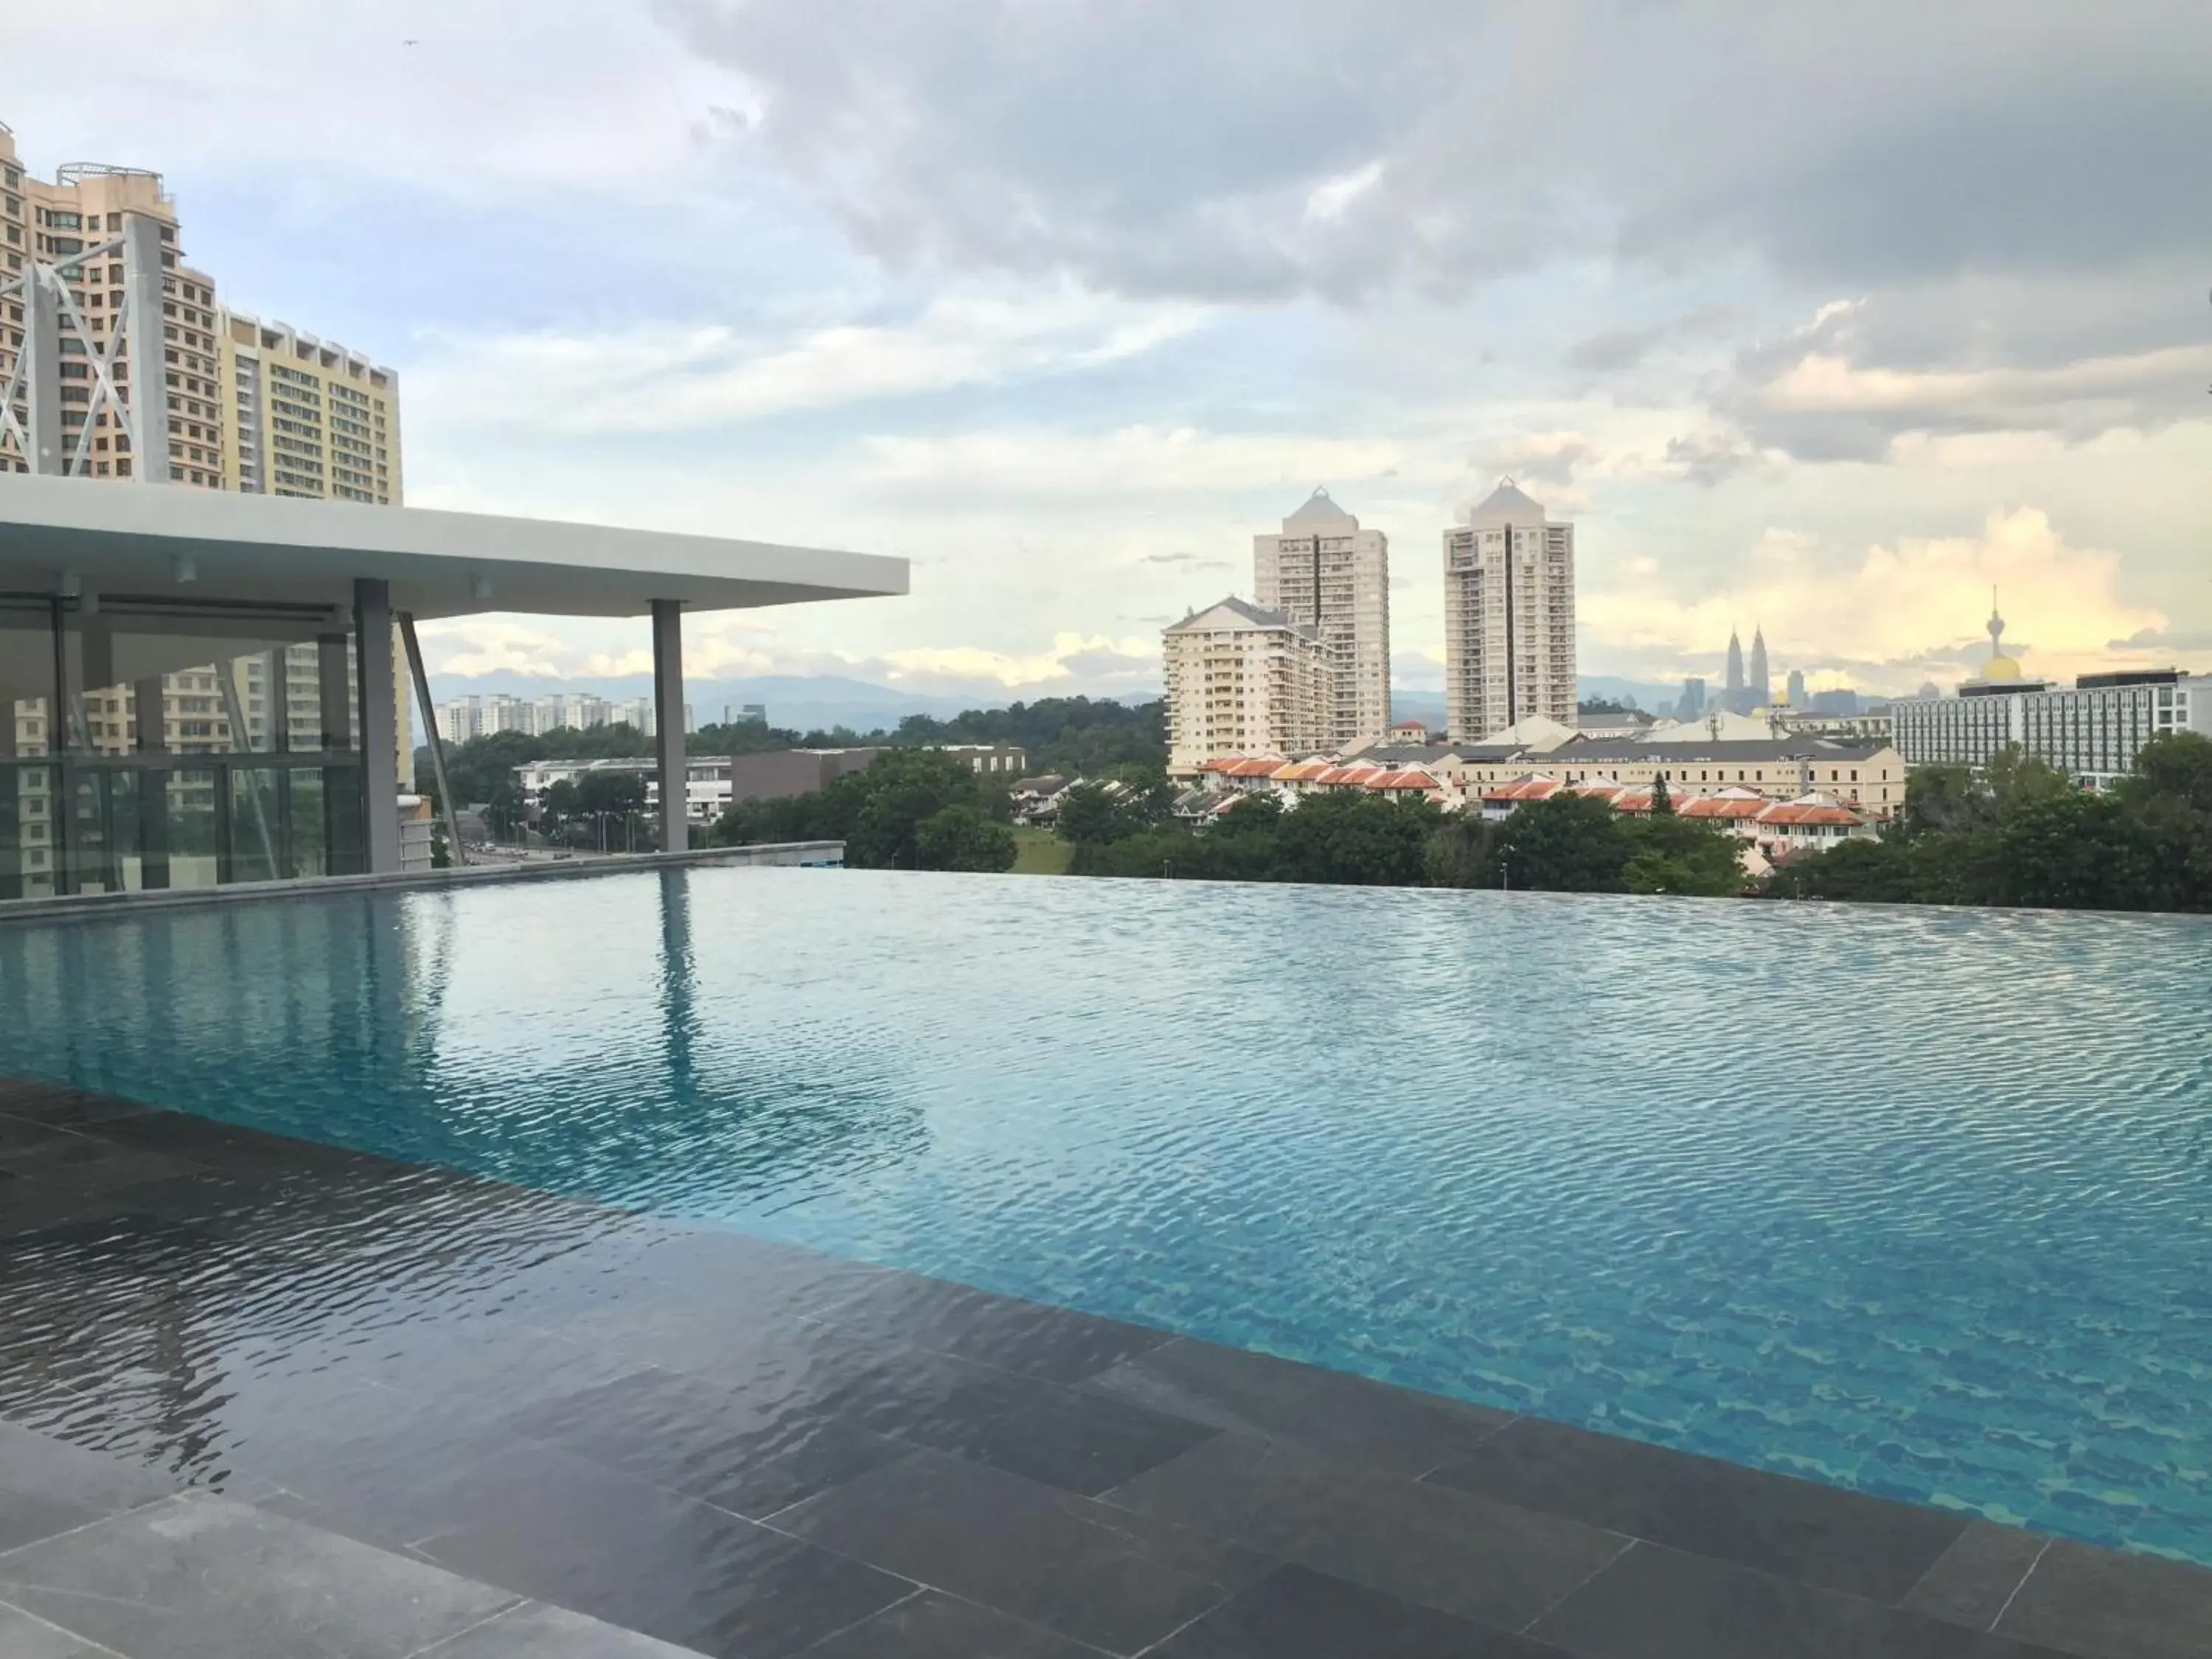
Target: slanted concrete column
(668, 722)
(379, 736)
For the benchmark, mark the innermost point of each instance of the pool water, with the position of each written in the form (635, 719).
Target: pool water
(1910, 1202)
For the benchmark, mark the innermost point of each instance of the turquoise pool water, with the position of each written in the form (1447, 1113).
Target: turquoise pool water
(1910, 1202)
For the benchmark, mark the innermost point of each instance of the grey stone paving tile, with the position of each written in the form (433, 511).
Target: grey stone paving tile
(1975, 1579)
(932, 1625)
(34, 1462)
(1097, 1575)
(27, 1516)
(22, 1637)
(1298, 1614)
(200, 1577)
(732, 1447)
(20, 1137)
(534, 1631)
(1448, 1550)
(1822, 1535)
(1053, 1343)
(2093, 1601)
(83, 1162)
(64, 1107)
(1388, 1429)
(1658, 1604)
(651, 1560)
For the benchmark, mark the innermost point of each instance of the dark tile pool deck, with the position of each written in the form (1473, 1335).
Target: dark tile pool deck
(263, 1398)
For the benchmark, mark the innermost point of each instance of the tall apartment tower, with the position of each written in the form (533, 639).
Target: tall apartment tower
(247, 407)
(1508, 617)
(1325, 573)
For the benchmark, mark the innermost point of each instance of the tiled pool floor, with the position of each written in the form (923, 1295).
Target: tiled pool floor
(263, 1398)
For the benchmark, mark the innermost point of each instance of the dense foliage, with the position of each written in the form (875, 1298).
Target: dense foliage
(911, 810)
(1075, 737)
(2024, 835)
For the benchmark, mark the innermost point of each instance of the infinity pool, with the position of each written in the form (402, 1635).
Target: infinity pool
(1915, 1202)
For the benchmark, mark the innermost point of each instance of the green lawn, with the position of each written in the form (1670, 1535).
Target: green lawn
(1040, 852)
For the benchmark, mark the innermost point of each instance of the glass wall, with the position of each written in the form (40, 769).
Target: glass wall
(158, 741)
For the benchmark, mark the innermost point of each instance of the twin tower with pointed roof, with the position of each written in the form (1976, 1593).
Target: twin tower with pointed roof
(1508, 613)
(1308, 667)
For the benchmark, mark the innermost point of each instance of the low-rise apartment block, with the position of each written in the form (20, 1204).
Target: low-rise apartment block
(1244, 680)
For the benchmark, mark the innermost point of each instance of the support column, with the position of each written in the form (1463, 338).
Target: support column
(379, 739)
(668, 722)
(143, 350)
(421, 678)
(335, 686)
(42, 374)
(149, 715)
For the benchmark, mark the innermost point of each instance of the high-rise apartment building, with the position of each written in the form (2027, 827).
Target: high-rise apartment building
(304, 418)
(264, 409)
(1324, 572)
(1508, 617)
(1244, 680)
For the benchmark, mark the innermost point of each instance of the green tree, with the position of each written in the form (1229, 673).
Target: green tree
(1943, 799)
(962, 838)
(1662, 803)
(1459, 852)
(1670, 854)
(1568, 844)
(614, 793)
(562, 800)
(1354, 839)
(2174, 766)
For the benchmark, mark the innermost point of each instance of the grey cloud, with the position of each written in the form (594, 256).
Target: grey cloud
(1154, 147)
(2153, 639)
(1616, 350)
(1188, 560)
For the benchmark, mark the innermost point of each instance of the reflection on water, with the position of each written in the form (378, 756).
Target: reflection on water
(1912, 1201)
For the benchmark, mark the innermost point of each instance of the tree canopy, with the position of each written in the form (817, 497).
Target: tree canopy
(2023, 835)
(910, 810)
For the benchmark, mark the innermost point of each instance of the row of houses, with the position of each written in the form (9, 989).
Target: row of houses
(1773, 824)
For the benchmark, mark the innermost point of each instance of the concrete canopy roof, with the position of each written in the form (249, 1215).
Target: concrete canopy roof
(123, 538)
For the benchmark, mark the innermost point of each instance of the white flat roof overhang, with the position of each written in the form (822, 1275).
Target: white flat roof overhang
(119, 537)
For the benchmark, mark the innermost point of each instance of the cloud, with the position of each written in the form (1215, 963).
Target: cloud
(1814, 394)
(1259, 148)
(661, 379)
(1896, 615)
(1070, 654)
(1133, 460)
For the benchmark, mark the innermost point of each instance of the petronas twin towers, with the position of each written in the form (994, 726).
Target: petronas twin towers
(1758, 692)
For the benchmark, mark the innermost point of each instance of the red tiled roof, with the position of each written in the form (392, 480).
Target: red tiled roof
(1411, 778)
(1256, 768)
(1531, 788)
(1730, 807)
(1808, 811)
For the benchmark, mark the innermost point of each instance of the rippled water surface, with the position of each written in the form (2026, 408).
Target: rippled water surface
(1913, 1202)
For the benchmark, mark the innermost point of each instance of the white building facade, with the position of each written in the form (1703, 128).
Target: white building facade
(1244, 680)
(1509, 618)
(1326, 573)
(2092, 732)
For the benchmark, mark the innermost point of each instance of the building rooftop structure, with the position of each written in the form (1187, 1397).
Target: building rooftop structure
(106, 586)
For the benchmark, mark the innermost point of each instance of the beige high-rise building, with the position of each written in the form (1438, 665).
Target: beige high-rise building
(1244, 680)
(253, 407)
(1508, 617)
(1324, 571)
(304, 418)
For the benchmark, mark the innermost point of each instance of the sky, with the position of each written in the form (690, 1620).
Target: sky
(1825, 320)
